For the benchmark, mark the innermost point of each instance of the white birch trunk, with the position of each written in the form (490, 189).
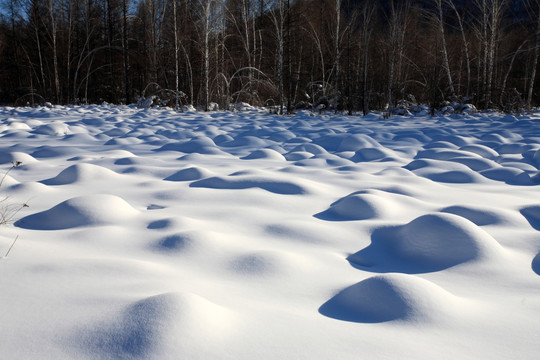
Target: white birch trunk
(440, 22)
(535, 60)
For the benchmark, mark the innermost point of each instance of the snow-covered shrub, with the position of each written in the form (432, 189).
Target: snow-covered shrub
(405, 107)
(465, 109)
(213, 106)
(512, 102)
(146, 103)
(302, 105)
(188, 108)
(154, 95)
(242, 106)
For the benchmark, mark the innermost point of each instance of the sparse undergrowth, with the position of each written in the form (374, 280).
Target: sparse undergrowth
(8, 211)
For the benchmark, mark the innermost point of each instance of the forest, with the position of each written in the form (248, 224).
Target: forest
(342, 55)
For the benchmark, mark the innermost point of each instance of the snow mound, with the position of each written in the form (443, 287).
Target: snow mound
(310, 148)
(267, 154)
(275, 186)
(247, 141)
(508, 175)
(56, 128)
(480, 216)
(357, 141)
(482, 150)
(476, 164)
(443, 171)
(373, 154)
(189, 174)
(159, 326)
(455, 177)
(90, 210)
(429, 243)
(536, 157)
(13, 125)
(198, 145)
(47, 151)
(128, 140)
(8, 181)
(361, 207)
(392, 297)
(444, 154)
(13, 157)
(82, 173)
(298, 155)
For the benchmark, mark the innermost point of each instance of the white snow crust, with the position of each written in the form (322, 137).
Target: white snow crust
(155, 234)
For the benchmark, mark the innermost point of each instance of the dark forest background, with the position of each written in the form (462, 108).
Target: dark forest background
(348, 55)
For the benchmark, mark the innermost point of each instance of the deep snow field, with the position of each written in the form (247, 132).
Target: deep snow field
(152, 234)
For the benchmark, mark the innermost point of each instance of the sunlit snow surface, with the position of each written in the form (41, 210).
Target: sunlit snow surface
(152, 234)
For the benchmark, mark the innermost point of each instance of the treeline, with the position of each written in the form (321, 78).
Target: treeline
(348, 55)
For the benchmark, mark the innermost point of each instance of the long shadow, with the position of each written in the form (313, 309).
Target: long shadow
(532, 214)
(535, 265)
(373, 300)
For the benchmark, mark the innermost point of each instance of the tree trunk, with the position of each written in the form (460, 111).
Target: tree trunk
(54, 54)
(535, 59)
(176, 77)
(465, 46)
(206, 52)
(337, 52)
(125, 51)
(367, 16)
(440, 23)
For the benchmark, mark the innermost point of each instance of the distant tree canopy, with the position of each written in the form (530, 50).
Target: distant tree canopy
(347, 55)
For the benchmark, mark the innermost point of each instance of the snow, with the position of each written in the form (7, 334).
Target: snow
(154, 234)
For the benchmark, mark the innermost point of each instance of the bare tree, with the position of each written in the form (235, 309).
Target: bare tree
(488, 27)
(337, 49)
(125, 50)
(206, 16)
(440, 24)
(535, 54)
(459, 18)
(53, 34)
(176, 75)
(397, 23)
(507, 74)
(277, 14)
(367, 12)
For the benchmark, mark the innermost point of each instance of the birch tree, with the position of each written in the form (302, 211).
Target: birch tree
(488, 27)
(446, 64)
(459, 18)
(277, 15)
(397, 21)
(532, 76)
(53, 36)
(176, 75)
(367, 12)
(125, 50)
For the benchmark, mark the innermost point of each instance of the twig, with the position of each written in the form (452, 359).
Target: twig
(14, 165)
(14, 241)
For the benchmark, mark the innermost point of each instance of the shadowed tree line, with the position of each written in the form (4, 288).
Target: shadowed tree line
(347, 55)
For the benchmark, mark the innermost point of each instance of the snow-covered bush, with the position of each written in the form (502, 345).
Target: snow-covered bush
(213, 106)
(242, 106)
(153, 95)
